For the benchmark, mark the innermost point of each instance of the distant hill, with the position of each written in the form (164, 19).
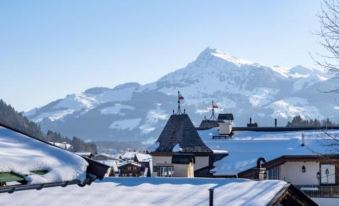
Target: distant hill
(11, 118)
(134, 112)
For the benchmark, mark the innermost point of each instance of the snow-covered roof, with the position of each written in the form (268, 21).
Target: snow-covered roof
(22, 155)
(219, 151)
(245, 147)
(128, 155)
(141, 157)
(127, 163)
(153, 191)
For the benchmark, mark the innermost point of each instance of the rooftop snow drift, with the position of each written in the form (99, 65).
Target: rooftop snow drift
(23, 155)
(155, 191)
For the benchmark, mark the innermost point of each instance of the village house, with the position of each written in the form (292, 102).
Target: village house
(131, 169)
(135, 164)
(315, 175)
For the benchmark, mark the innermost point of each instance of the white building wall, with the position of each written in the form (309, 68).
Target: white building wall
(292, 172)
(180, 170)
(225, 128)
(161, 160)
(200, 162)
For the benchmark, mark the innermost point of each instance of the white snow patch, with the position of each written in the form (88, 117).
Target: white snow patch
(76, 102)
(230, 58)
(116, 109)
(152, 119)
(293, 106)
(128, 124)
(262, 96)
(177, 148)
(53, 116)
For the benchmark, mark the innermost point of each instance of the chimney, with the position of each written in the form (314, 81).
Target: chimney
(275, 122)
(250, 120)
(260, 171)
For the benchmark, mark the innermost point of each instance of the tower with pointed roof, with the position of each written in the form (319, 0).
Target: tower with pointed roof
(180, 149)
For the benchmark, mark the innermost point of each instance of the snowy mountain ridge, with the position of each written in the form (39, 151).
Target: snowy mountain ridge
(138, 112)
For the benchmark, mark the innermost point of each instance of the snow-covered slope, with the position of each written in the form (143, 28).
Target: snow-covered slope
(139, 112)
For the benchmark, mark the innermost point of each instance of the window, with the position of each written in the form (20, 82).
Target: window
(327, 174)
(274, 173)
(165, 171)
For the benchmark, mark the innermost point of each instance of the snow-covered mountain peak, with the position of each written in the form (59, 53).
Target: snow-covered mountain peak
(210, 54)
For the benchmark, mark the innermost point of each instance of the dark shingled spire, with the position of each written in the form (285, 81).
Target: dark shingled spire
(180, 130)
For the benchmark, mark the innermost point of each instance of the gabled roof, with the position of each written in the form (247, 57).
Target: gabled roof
(180, 130)
(208, 124)
(226, 116)
(141, 157)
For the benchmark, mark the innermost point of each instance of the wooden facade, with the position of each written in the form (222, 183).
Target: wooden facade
(131, 169)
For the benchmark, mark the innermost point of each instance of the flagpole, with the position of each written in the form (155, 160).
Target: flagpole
(213, 111)
(213, 117)
(179, 109)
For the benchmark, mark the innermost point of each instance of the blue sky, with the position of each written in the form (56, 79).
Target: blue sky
(52, 48)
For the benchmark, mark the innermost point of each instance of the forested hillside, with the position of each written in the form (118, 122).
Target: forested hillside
(10, 117)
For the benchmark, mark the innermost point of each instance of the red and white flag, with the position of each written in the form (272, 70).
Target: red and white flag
(180, 97)
(214, 105)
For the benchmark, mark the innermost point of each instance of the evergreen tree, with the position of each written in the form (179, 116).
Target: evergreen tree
(298, 121)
